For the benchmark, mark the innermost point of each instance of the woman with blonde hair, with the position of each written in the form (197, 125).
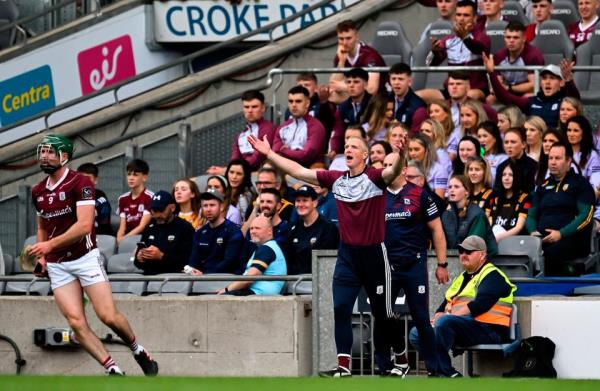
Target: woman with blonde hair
(510, 117)
(396, 134)
(440, 111)
(569, 108)
(421, 149)
(534, 129)
(377, 117)
(435, 131)
(471, 115)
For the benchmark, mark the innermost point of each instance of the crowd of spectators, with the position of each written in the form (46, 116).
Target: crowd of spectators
(497, 159)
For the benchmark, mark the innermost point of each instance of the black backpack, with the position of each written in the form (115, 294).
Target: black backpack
(534, 358)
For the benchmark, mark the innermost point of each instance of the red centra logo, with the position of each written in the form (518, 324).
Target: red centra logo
(106, 64)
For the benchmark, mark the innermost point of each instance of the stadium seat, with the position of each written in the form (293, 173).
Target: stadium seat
(201, 181)
(505, 348)
(392, 43)
(588, 82)
(552, 39)
(521, 252)
(122, 263)
(106, 245)
(495, 30)
(298, 288)
(128, 244)
(41, 288)
(171, 287)
(210, 287)
(512, 10)
(565, 11)
(9, 12)
(439, 29)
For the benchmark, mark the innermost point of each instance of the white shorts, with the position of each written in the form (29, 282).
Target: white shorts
(88, 270)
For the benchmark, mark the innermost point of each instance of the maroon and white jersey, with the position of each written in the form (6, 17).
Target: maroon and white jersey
(57, 206)
(579, 34)
(360, 202)
(132, 210)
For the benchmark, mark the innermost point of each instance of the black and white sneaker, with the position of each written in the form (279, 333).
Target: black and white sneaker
(114, 371)
(456, 374)
(148, 365)
(399, 370)
(336, 372)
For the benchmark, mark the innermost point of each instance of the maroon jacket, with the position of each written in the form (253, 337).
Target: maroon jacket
(254, 158)
(304, 137)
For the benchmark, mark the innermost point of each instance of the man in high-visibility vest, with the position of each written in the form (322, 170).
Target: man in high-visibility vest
(476, 308)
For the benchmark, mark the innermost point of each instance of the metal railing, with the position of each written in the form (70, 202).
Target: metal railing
(185, 60)
(297, 279)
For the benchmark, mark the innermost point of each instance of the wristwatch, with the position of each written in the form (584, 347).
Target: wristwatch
(442, 264)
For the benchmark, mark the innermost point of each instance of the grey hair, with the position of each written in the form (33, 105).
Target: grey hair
(417, 165)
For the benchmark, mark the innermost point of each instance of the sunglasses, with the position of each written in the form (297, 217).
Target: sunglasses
(464, 251)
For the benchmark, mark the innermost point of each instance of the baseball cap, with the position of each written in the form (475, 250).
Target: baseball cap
(307, 191)
(160, 200)
(553, 69)
(212, 194)
(473, 243)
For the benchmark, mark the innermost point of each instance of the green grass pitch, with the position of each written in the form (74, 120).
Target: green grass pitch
(103, 383)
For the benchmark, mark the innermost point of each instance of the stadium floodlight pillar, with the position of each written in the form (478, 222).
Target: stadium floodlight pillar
(184, 147)
(26, 223)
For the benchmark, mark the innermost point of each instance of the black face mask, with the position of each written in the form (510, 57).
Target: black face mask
(48, 169)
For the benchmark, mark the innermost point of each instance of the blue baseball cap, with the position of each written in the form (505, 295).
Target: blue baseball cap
(160, 200)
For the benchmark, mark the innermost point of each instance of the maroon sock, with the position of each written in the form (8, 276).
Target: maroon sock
(344, 360)
(400, 358)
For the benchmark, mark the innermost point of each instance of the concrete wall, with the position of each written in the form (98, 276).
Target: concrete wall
(200, 336)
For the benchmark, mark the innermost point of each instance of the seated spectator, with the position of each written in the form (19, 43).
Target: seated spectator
(310, 232)
(542, 11)
(268, 205)
(440, 111)
(377, 152)
(492, 144)
(187, 196)
(230, 212)
(569, 108)
(579, 135)
(509, 117)
(353, 130)
(464, 47)
(462, 218)
(267, 259)
(377, 117)
(435, 132)
(492, 11)
(518, 52)
(446, 9)
(549, 137)
(555, 84)
(580, 32)
(508, 208)
(476, 308)
(351, 52)
(534, 129)
(406, 102)
(514, 145)
(478, 172)
(218, 244)
(352, 109)
(422, 150)
(320, 108)
(134, 206)
(253, 107)
(270, 178)
(397, 133)
(561, 213)
(302, 137)
(102, 219)
(467, 147)
(165, 243)
(240, 192)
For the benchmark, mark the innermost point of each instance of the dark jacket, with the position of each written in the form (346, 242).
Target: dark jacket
(474, 222)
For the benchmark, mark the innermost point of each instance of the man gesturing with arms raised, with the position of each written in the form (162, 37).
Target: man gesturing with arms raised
(362, 258)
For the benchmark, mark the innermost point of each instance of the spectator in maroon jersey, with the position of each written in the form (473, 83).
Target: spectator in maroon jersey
(134, 206)
(580, 32)
(542, 11)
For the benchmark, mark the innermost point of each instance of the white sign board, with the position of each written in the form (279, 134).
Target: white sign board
(78, 65)
(214, 21)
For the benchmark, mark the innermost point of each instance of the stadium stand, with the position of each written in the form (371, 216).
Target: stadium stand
(209, 287)
(129, 244)
(392, 43)
(520, 256)
(107, 245)
(169, 287)
(122, 266)
(552, 39)
(9, 12)
(565, 11)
